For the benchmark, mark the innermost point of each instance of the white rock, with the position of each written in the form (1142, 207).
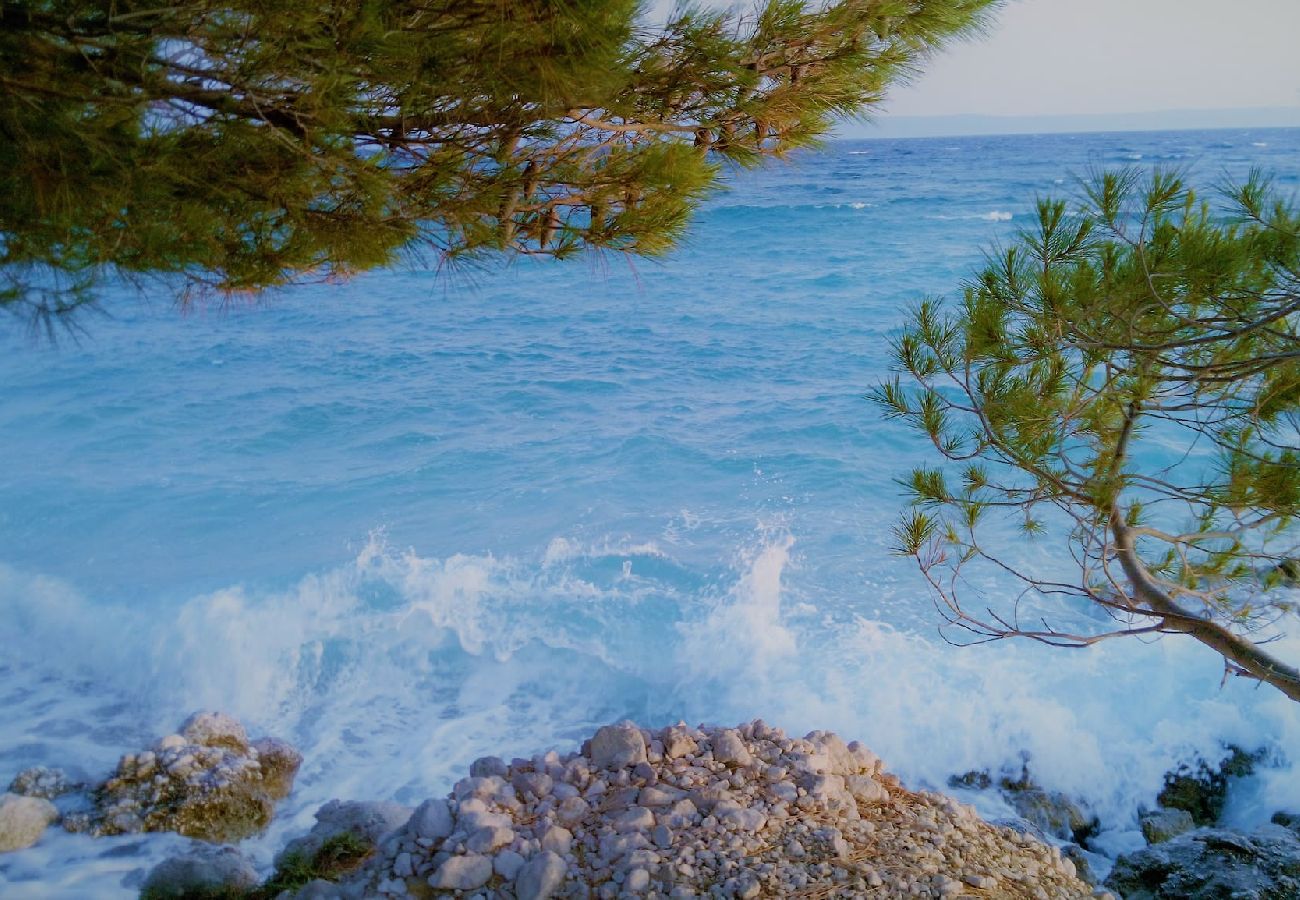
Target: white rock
(431, 820)
(678, 742)
(557, 839)
(489, 838)
(540, 877)
(23, 820)
(618, 747)
(866, 789)
(729, 748)
(638, 818)
(462, 873)
(637, 881)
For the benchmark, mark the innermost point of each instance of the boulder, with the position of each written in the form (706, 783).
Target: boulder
(618, 747)
(1050, 812)
(23, 820)
(205, 873)
(1161, 825)
(540, 877)
(1212, 863)
(207, 783)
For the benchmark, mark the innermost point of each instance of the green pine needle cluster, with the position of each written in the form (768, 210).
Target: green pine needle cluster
(242, 145)
(1128, 372)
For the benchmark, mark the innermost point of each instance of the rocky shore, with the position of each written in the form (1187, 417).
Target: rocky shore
(671, 813)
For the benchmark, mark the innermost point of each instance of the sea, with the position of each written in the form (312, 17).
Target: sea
(431, 514)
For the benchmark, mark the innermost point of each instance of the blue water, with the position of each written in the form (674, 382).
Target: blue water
(421, 516)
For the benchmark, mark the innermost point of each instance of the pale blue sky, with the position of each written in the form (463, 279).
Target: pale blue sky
(1081, 57)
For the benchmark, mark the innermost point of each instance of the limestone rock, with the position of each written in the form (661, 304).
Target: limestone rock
(215, 729)
(208, 783)
(23, 820)
(1211, 863)
(1165, 824)
(462, 873)
(618, 747)
(205, 872)
(42, 782)
(540, 877)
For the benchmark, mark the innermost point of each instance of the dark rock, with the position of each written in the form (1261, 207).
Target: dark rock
(1202, 789)
(1082, 864)
(974, 780)
(205, 873)
(1213, 864)
(1287, 820)
(1164, 824)
(1050, 812)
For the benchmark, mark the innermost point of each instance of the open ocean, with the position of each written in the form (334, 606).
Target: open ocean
(421, 517)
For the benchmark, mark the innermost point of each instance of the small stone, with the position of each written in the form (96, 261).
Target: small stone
(507, 864)
(637, 881)
(462, 873)
(540, 877)
(23, 820)
(557, 839)
(618, 747)
(662, 836)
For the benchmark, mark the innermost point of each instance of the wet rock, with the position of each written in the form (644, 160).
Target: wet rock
(42, 782)
(23, 820)
(1210, 864)
(205, 873)
(1050, 812)
(366, 823)
(207, 783)
(1165, 824)
(1201, 788)
(974, 780)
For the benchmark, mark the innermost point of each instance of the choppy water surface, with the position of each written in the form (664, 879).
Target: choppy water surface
(415, 518)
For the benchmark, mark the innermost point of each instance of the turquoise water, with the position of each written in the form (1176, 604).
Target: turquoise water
(421, 516)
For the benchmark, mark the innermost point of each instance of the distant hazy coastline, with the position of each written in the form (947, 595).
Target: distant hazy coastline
(1161, 120)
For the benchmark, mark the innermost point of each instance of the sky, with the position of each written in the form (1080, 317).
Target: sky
(1087, 57)
(1093, 57)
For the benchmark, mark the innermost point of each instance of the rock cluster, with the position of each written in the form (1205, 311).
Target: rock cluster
(208, 782)
(686, 812)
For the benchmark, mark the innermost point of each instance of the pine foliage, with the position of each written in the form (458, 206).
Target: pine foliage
(1127, 375)
(245, 144)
